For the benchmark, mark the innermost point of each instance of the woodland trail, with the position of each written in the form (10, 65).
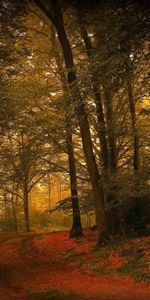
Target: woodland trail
(45, 267)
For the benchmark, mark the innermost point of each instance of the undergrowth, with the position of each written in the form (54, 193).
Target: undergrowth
(53, 294)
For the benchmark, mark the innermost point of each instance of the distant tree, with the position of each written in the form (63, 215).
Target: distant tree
(11, 30)
(21, 166)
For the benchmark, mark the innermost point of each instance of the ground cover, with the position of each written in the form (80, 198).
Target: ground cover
(52, 266)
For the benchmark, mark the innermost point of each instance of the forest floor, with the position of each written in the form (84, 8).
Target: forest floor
(40, 266)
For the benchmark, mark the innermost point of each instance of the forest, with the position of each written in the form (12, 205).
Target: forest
(75, 149)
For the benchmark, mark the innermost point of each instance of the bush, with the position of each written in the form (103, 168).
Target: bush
(128, 206)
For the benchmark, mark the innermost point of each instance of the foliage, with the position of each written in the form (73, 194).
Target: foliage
(58, 260)
(34, 111)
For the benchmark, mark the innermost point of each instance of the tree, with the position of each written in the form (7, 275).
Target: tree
(56, 18)
(11, 29)
(95, 84)
(76, 229)
(21, 156)
(77, 91)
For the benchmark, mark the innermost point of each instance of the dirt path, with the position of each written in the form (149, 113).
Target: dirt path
(40, 273)
(86, 286)
(16, 237)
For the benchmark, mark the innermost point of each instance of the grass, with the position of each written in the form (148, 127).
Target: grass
(137, 272)
(136, 267)
(53, 294)
(126, 258)
(40, 237)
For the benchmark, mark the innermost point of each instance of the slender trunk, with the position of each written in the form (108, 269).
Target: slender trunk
(57, 20)
(134, 126)
(113, 214)
(83, 122)
(110, 130)
(95, 84)
(111, 154)
(49, 191)
(7, 215)
(135, 133)
(14, 214)
(76, 229)
(26, 207)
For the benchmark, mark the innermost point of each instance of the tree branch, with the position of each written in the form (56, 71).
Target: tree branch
(45, 10)
(10, 191)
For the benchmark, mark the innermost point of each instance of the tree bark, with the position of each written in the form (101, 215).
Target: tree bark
(14, 214)
(83, 122)
(57, 20)
(76, 229)
(135, 133)
(99, 107)
(95, 84)
(109, 158)
(26, 207)
(110, 129)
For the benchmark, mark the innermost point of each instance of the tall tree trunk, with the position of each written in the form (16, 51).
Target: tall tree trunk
(113, 213)
(57, 20)
(14, 214)
(76, 229)
(83, 122)
(99, 107)
(135, 133)
(95, 84)
(110, 129)
(26, 207)
(7, 215)
(108, 155)
(49, 191)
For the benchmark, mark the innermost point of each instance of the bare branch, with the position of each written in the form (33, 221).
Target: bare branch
(47, 12)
